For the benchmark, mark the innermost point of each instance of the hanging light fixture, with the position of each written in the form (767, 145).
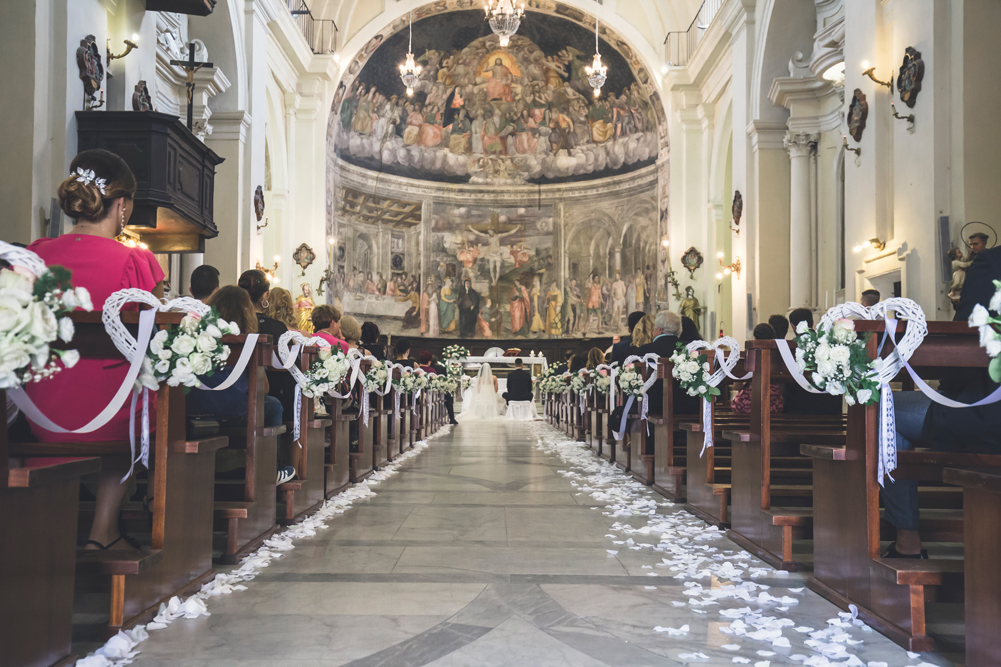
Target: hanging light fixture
(596, 73)
(504, 18)
(410, 71)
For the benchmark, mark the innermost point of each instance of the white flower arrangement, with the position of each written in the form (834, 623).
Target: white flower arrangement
(988, 324)
(421, 381)
(554, 384)
(453, 368)
(33, 314)
(455, 352)
(326, 373)
(836, 361)
(602, 380)
(377, 375)
(443, 384)
(578, 383)
(631, 381)
(406, 384)
(180, 355)
(691, 374)
(467, 382)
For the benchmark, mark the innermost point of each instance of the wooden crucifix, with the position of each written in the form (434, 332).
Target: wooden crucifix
(190, 66)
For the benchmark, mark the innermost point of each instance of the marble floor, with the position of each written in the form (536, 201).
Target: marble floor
(503, 544)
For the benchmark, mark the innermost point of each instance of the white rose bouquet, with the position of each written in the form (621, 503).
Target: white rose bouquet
(33, 314)
(631, 381)
(443, 384)
(326, 373)
(406, 383)
(421, 381)
(453, 369)
(467, 382)
(692, 375)
(455, 352)
(602, 380)
(836, 361)
(989, 326)
(578, 383)
(180, 355)
(377, 375)
(555, 384)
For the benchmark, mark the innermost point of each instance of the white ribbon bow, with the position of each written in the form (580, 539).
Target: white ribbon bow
(727, 362)
(651, 361)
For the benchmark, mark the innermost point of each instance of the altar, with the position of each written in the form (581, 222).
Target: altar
(532, 364)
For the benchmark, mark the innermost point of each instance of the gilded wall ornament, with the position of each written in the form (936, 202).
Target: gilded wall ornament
(692, 260)
(858, 112)
(303, 256)
(912, 71)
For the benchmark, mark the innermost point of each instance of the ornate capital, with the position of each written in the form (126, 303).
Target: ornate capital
(801, 144)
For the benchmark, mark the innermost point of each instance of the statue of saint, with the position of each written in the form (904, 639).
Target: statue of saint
(304, 310)
(690, 306)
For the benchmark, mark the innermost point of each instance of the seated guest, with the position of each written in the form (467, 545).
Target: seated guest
(870, 298)
(425, 361)
(519, 384)
(799, 401)
(595, 358)
(742, 401)
(780, 325)
(689, 331)
(577, 362)
(370, 340)
(403, 353)
(230, 405)
(204, 282)
(281, 384)
(624, 347)
(102, 265)
(919, 421)
(351, 332)
(281, 308)
(643, 334)
(326, 325)
(666, 328)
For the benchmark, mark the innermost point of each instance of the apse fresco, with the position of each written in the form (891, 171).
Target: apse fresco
(485, 114)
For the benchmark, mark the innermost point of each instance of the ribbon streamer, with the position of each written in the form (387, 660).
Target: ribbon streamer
(651, 361)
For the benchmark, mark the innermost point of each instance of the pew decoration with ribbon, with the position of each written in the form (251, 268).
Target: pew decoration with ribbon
(34, 303)
(990, 330)
(443, 384)
(601, 379)
(834, 360)
(180, 355)
(378, 380)
(580, 386)
(324, 376)
(699, 379)
(632, 385)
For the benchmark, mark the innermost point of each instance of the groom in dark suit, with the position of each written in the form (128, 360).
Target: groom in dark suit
(519, 384)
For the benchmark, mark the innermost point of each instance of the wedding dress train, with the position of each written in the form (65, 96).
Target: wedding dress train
(483, 402)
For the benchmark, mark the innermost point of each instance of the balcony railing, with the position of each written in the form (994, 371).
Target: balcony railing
(320, 34)
(680, 45)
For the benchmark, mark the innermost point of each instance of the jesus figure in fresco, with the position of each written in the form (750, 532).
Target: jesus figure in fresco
(499, 85)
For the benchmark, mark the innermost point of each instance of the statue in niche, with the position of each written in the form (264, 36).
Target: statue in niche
(304, 309)
(690, 306)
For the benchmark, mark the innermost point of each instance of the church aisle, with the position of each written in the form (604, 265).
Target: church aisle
(505, 544)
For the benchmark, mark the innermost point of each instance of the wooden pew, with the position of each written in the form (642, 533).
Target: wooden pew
(708, 472)
(890, 594)
(609, 449)
(337, 475)
(246, 503)
(363, 460)
(981, 545)
(179, 558)
(393, 434)
(378, 421)
(303, 495)
(38, 516)
(771, 485)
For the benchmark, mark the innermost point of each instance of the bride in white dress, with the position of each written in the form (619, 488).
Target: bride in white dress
(485, 403)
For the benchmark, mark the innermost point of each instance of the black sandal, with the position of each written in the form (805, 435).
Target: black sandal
(105, 547)
(892, 552)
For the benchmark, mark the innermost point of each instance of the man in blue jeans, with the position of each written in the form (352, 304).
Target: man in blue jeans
(920, 421)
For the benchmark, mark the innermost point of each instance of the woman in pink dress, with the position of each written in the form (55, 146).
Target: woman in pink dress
(326, 325)
(98, 195)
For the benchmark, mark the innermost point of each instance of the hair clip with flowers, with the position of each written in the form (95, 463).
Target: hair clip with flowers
(87, 176)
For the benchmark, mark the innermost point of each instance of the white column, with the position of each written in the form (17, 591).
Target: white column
(801, 147)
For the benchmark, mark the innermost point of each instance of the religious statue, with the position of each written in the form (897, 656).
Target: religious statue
(140, 98)
(88, 61)
(304, 309)
(959, 266)
(690, 306)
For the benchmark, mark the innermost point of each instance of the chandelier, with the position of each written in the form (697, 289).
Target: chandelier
(410, 71)
(504, 18)
(596, 73)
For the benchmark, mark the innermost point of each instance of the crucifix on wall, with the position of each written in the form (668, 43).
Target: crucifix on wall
(190, 66)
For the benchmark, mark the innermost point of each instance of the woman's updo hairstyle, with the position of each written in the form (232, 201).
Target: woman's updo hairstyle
(256, 284)
(82, 200)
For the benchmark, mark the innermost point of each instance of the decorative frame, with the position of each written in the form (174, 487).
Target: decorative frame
(303, 256)
(912, 71)
(858, 112)
(737, 210)
(692, 260)
(88, 61)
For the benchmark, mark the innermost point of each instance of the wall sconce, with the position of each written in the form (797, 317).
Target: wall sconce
(871, 243)
(868, 71)
(130, 44)
(666, 243)
(857, 151)
(270, 273)
(727, 269)
(909, 117)
(260, 227)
